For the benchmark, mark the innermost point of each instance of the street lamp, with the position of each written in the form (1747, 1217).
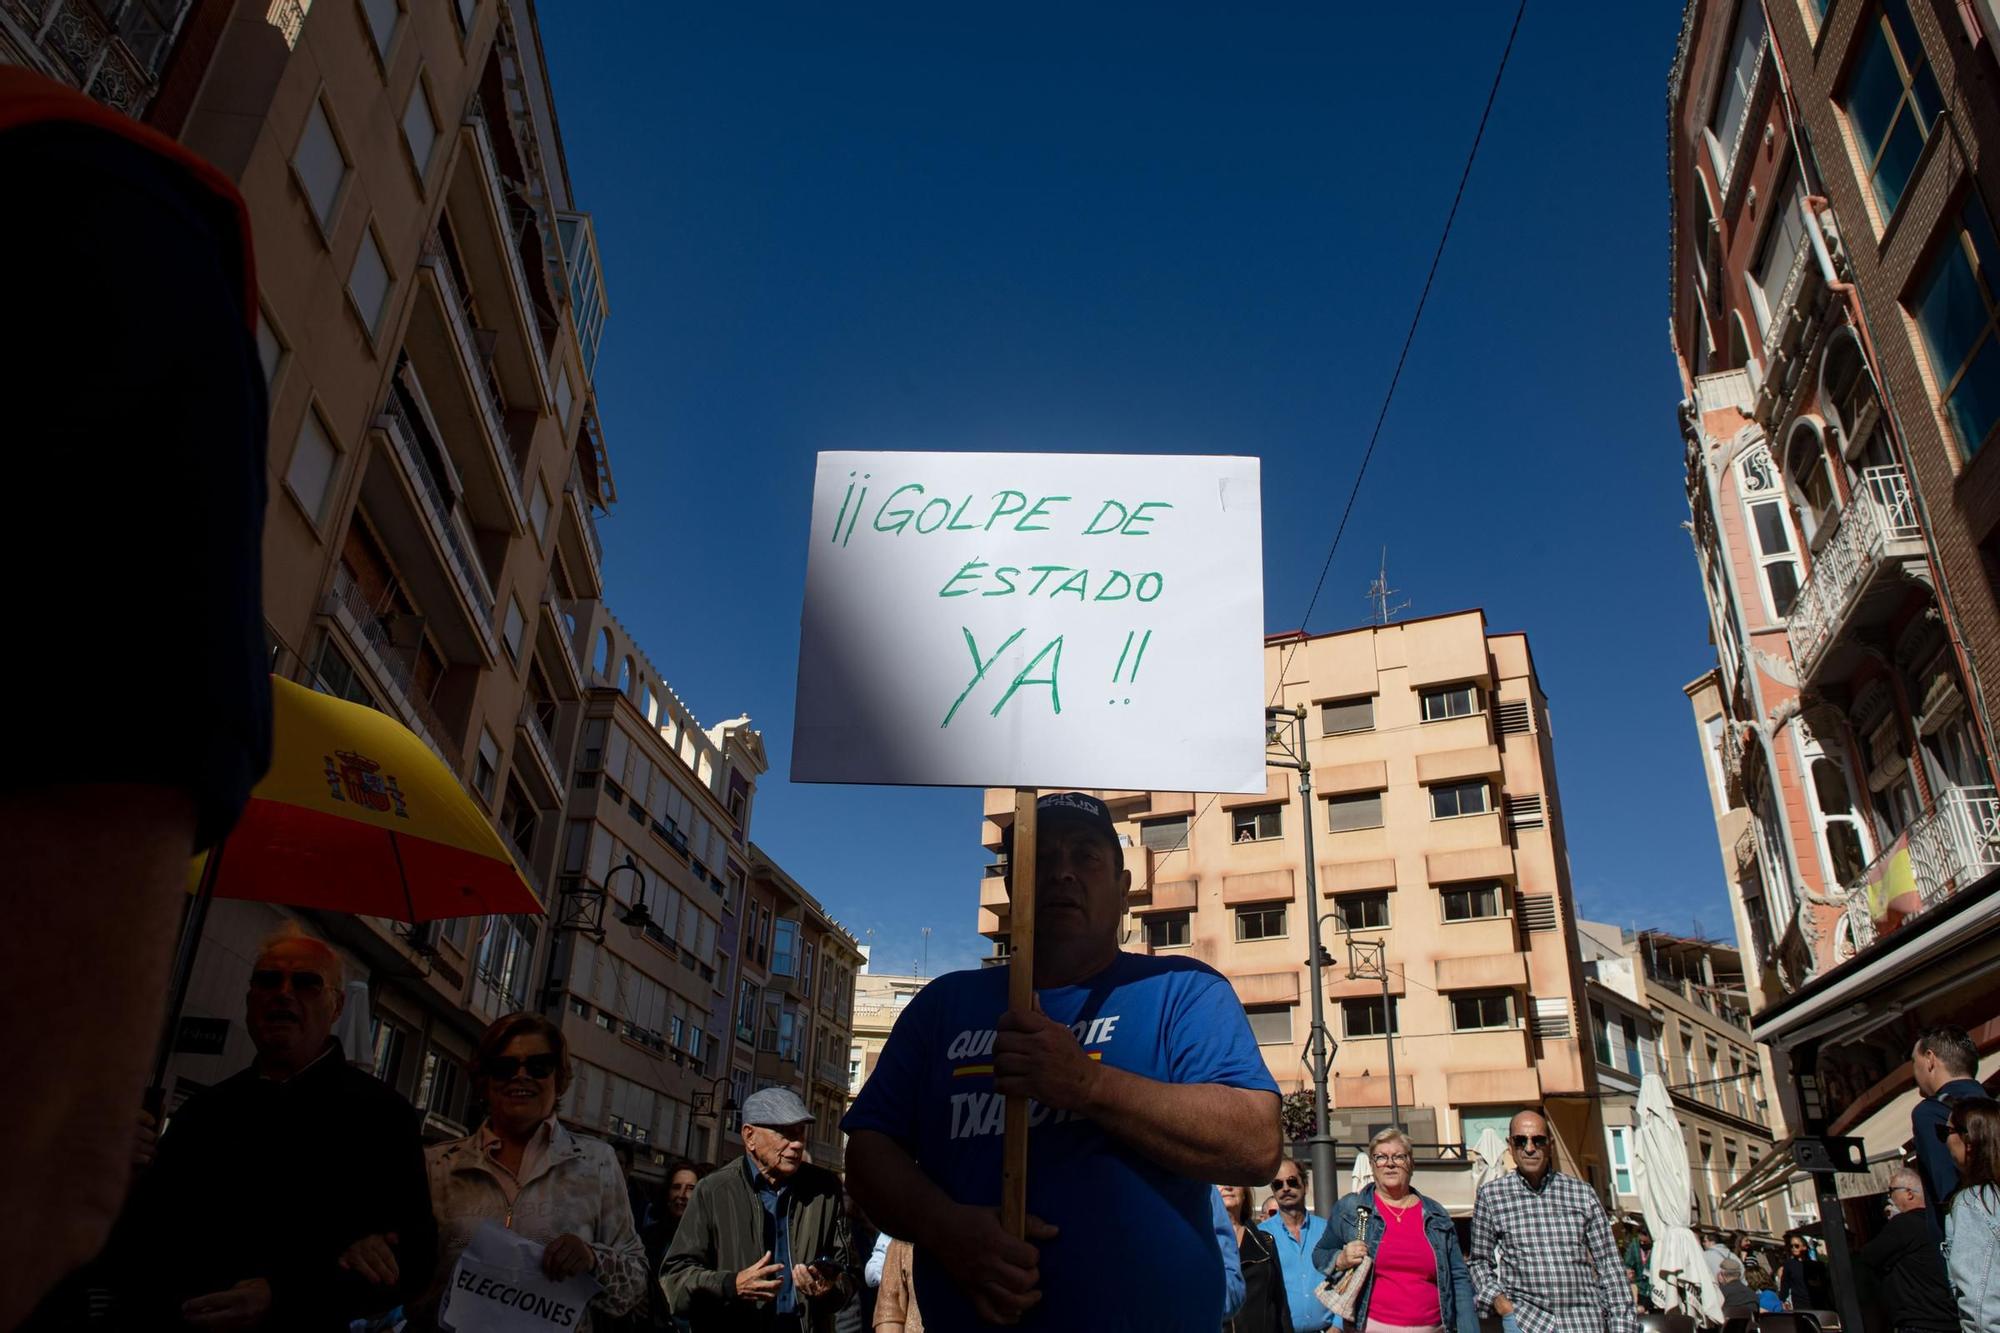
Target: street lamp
(1292, 754)
(636, 917)
(704, 1104)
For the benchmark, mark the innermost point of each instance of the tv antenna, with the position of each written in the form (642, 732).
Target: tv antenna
(1379, 593)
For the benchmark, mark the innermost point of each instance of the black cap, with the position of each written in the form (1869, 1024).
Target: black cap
(1071, 807)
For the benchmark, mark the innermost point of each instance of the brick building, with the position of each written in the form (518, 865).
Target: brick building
(1834, 317)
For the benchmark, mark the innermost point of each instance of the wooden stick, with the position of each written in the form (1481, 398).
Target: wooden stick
(1021, 996)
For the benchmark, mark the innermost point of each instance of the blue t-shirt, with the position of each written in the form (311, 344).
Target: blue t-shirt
(1138, 1246)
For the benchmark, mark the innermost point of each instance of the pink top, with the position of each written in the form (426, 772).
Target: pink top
(1404, 1288)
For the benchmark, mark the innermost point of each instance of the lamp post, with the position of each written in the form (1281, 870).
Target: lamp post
(1292, 754)
(704, 1104)
(637, 916)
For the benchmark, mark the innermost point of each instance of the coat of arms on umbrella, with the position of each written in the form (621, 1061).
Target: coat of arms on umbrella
(352, 776)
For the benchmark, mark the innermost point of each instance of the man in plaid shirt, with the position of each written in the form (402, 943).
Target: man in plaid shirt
(1542, 1257)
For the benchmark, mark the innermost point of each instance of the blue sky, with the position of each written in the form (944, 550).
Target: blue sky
(1160, 229)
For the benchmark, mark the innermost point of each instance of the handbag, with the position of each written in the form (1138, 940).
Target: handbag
(1339, 1295)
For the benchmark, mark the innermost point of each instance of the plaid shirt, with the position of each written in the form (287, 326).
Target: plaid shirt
(1549, 1251)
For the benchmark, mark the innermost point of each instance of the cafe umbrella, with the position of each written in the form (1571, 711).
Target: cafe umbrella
(355, 815)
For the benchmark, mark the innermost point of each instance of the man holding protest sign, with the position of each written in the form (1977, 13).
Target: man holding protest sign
(1146, 1084)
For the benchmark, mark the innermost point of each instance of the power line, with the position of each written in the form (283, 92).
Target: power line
(1395, 378)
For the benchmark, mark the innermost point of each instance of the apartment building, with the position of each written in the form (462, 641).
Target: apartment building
(649, 891)
(431, 309)
(1675, 1007)
(1437, 832)
(1833, 315)
(794, 1013)
(879, 1000)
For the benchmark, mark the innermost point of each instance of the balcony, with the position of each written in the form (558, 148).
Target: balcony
(535, 730)
(559, 645)
(1723, 390)
(1951, 846)
(417, 511)
(480, 191)
(388, 663)
(577, 534)
(1859, 572)
(448, 348)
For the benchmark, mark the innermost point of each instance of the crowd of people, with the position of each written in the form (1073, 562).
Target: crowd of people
(299, 1194)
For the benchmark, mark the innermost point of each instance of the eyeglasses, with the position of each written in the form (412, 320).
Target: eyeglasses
(1392, 1159)
(506, 1066)
(1286, 1183)
(1530, 1140)
(273, 979)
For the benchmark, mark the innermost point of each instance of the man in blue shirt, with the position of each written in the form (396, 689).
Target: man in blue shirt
(1145, 1085)
(1297, 1231)
(1945, 1063)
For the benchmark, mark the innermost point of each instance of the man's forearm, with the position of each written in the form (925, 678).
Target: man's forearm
(892, 1189)
(1203, 1130)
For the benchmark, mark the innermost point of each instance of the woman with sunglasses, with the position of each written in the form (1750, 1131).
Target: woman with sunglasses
(522, 1170)
(1419, 1282)
(1265, 1306)
(1972, 1224)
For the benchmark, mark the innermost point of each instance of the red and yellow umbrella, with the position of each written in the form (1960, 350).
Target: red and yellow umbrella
(358, 815)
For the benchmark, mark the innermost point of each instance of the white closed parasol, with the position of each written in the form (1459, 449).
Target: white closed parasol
(1680, 1275)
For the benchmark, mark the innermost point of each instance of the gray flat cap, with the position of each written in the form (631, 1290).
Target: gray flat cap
(775, 1106)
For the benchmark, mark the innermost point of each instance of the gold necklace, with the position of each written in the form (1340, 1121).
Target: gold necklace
(1404, 1206)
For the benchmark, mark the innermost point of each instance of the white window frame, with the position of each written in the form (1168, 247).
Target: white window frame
(1513, 1020)
(1751, 501)
(1256, 815)
(1445, 695)
(1266, 1010)
(1340, 901)
(1621, 1158)
(1810, 752)
(1393, 1017)
(1777, 223)
(1712, 729)
(1260, 909)
(1485, 792)
(1473, 886)
(1186, 919)
(1739, 74)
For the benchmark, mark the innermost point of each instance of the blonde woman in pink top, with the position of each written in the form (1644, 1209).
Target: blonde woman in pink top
(1419, 1282)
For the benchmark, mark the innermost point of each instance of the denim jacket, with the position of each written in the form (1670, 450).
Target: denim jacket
(1457, 1312)
(1972, 1256)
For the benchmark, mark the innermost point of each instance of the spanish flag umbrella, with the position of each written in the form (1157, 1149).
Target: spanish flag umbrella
(355, 815)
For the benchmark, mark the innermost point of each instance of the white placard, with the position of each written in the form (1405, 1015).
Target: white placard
(1033, 620)
(497, 1286)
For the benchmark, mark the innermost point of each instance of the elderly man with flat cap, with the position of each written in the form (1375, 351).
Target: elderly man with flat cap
(1145, 1085)
(763, 1244)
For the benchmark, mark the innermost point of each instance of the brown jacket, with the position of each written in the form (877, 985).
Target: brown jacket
(896, 1302)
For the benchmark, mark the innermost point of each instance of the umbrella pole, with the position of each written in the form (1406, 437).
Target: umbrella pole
(1020, 996)
(181, 977)
(403, 874)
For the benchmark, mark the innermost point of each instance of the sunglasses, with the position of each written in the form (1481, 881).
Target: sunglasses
(1945, 1129)
(1287, 1183)
(505, 1066)
(1530, 1140)
(273, 979)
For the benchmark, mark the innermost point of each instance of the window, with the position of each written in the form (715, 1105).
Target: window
(1452, 701)
(464, 10)
(310, 473)
(1363, 911)
(1955, 312)
(1360, 810)
(1838, 823)
(1472, 902)
(1621, 1158)
(1168, 930)
(539, 509)
(382, 17)
(1601, 1032)
(486, 766)
(563, 395)
(1764, 508)
(319, 165)
(1784, 240)
(1164, 835)
(270, 350)
(1270, 1024)
(1746, 47)
(1482, 1011)
(1808, 476)
(420, 128)
(1260, 923)
(1364, 1018)
(1892, 101)
(1449, 800)
(1258, 823)
(511, 630)
(368, 282)
(746, 1012)
(1338, 717)
(784, 948)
